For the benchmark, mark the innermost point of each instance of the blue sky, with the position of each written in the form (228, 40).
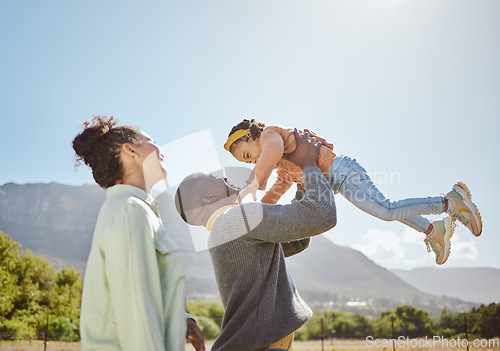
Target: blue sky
(410, 88)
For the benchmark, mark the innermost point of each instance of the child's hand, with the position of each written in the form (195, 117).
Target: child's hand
(306, 153)
(193, 334)
(251, 188)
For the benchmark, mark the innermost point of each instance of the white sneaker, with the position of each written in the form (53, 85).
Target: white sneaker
(462, 208)
(439, 239)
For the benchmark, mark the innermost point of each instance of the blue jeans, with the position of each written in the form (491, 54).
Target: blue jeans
(347, 177)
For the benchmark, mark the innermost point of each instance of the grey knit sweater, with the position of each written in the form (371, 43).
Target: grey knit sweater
(248, 245)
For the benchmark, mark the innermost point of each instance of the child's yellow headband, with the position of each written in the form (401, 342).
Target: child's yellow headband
(235, 136)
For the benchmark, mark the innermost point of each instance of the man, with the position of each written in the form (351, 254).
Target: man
(248, 244)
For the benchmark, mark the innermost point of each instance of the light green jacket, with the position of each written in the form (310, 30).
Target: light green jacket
(133, 294)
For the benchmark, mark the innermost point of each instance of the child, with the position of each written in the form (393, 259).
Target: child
(253, 142)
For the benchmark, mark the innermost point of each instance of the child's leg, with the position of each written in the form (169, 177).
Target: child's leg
(418, 223)
(352, 181)
(438, 234)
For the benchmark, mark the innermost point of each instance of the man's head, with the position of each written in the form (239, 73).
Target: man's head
(199, 195)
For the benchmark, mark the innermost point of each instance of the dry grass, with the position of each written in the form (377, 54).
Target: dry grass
(38, 345)
(359, 345)
(337, 345)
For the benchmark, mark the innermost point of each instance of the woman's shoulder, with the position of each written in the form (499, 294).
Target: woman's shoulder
(127, 201)
(123, 217)
(124, 208)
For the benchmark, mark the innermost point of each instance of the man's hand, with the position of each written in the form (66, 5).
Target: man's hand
(306, 153)
(193, 334)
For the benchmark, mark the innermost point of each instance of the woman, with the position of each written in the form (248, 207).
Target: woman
(134, 283)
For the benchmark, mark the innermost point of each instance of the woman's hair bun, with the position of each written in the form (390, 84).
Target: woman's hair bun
(84, 143)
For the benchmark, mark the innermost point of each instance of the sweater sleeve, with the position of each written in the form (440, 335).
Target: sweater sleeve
(314, 214)
(133, 278)
(295, 247)
(272, 146)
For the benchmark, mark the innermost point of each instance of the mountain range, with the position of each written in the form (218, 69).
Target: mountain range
(479, 284)
(57, 221)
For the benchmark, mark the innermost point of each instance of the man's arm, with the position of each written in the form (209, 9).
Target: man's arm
(314, 214)
(295, 247)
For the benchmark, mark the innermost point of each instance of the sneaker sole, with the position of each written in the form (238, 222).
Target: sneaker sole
(447, 239)
(476, 220)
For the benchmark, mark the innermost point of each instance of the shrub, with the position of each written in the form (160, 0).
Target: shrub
(65, 330)
(208, 327)
(16, 330)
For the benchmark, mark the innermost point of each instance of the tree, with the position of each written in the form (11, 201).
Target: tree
(449, 323)
(384, 326)
(36, 278)
(407, 321)
(31, 289)
(337, 324)
(9, 260)
(415, 322)
(489, 320)
(68, 293)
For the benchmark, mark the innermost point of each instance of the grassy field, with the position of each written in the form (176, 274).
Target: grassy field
(337, 345)
(38, 345)
(361, 345)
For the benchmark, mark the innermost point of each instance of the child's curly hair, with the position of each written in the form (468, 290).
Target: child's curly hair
(255, 129)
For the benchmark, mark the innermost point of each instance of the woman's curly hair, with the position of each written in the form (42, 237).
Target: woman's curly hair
(255, 129)
(98, 146)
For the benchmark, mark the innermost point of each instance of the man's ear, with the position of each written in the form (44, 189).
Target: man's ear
(209, 199)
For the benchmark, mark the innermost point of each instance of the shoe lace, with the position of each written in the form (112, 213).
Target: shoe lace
(428, 242)
(453, 218)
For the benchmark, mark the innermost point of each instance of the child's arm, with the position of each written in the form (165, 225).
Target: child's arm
(272, 146)
(282, 184)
